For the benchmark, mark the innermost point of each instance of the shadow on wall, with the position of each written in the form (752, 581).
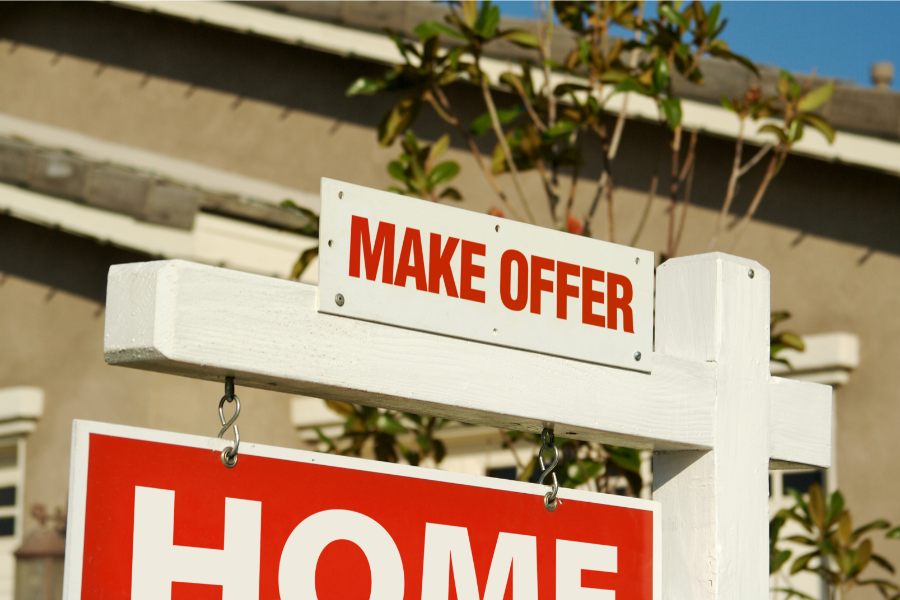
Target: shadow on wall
(62, 261)
(830, 200)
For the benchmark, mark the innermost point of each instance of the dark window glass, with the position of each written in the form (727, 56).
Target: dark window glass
(8, 456)
(802, 480)
(502, 473)
(8, 496)
(7, 526)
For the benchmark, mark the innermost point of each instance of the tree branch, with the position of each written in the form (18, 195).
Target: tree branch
(442, 106)
(504, 146)
(760, 192)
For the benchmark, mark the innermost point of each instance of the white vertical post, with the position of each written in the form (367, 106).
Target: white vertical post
(715, 503)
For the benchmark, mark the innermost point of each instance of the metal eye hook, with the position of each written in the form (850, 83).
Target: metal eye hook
(550, 499)
(230, 453)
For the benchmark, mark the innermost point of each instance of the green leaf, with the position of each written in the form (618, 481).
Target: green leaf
(439, 147)
(792, 592)
(820, 125)
(442, 173)
(816, 98)
(712, 19)
(774, 130)
(661, 75)
(398, 120)
(470, 12)
(451, 193)
(488, 19)
(388, 424)
(802, 562)
(671, 109)
(428, 29)
(567, 88)
(893, 534)
(883, 562)
(364, 85)
(483, 123)
(861, 531)
(836, 500)
(561, 128)
(303, 262)
(778, 560)
(396, 170)
(522, 38)
(728, 104)
(673, 16)
(630, 85)
(791, 340)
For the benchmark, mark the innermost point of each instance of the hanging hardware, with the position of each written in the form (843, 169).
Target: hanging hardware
(230, 453)
(550, 499)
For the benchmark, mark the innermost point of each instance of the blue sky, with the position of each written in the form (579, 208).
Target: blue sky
(838, 39)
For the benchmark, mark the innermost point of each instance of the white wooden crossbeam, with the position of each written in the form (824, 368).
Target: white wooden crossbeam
(204, 322)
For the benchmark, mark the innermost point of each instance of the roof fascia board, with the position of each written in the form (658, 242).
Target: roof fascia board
(214, 240)
(863, 151)
(177, 170)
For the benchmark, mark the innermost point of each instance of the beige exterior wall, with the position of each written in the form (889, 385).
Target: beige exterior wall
(840, 282)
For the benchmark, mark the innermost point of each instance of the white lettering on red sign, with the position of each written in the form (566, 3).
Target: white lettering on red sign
(157, 562)
(287, 524)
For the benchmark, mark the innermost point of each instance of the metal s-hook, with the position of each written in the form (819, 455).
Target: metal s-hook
(547, 443)
(230, 453)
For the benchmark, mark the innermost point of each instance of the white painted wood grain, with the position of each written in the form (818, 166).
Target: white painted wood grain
(198, 321)
(801, 424)
(715, 503)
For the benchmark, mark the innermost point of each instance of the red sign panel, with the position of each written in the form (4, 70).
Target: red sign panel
(155, 515)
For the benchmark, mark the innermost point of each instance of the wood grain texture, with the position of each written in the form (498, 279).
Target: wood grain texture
(715, 504)
(204, 322)
(801, 414)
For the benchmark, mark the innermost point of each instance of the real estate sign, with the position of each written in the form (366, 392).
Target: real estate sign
(155, 515)
(412, 263)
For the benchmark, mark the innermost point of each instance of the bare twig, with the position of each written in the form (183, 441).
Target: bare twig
(504, 146)
(509, 444)
(756, 158)
(685, 202)
(737, 171)
(572, 187)
(760, 192)
(632, 62)
(687, 172)
(604, 185)
(637, 234)
(442, 106)
(673, 188)
(528, 107)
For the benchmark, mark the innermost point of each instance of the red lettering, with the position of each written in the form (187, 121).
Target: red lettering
(469, 271)
(439, 265)
(617, 302)
(590, 296)
(521, 299)
(360, 242)
(538, 284)
(412, 248)
(564, 290)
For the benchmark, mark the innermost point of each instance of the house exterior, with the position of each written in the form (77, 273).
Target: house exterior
(137, 131)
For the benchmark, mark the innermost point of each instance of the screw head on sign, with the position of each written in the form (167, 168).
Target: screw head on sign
(339, 299)
(637, 356)
(750, 273)
(340, 194)
(637, 260)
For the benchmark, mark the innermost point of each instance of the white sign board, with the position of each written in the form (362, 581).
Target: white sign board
(411, 263)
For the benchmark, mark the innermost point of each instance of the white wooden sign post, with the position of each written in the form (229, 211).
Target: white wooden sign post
(714, 417)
